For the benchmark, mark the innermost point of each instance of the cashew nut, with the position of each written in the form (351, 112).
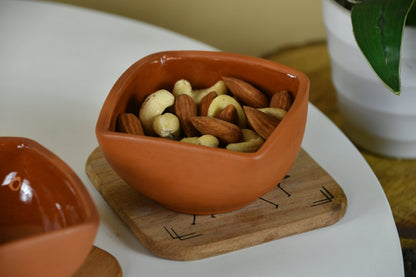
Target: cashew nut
(184, 87)
(154, 105)
(206, 140)
(276, 112)
(222, 101)
(167, 126)
(252, 142)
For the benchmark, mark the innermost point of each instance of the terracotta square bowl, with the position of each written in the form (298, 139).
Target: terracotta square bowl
(192, 178)
(48, 221)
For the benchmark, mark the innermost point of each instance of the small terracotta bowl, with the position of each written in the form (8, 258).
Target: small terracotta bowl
(191, 178)
(48, 221)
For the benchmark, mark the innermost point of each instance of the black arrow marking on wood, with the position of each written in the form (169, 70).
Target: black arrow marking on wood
(327, 197)
(174, 235)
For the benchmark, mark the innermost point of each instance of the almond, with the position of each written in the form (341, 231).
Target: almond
(205, 102)
(185, 109)
(229, 114)
(223, 130)
(129, 123)
(263, 124)
(282, 99)
(246, 93)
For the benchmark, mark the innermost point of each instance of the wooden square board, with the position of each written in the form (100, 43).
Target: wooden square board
(308, 198)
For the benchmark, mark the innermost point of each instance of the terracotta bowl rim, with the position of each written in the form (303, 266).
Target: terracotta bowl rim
(103, 122)
(92, 216)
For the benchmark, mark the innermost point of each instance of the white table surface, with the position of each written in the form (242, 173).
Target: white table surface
(57, 64)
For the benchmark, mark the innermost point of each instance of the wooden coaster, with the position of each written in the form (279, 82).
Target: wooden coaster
(99, 263)
(308, 198)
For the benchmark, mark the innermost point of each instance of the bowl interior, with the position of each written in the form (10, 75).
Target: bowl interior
(36, 193)
(201, 69)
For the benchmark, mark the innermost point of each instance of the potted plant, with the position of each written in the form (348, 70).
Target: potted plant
(372, 45)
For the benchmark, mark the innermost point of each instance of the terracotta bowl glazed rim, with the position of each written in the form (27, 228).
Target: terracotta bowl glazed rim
(91, 217)
(112, 99)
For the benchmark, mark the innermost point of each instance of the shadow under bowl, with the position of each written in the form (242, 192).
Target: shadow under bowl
(191, 178)
(48, 221)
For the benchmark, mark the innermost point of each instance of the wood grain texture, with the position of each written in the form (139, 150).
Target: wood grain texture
(99, 263)
(308, 198)
(397, 177)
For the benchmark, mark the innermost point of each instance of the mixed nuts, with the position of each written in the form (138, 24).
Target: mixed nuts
(232, 114)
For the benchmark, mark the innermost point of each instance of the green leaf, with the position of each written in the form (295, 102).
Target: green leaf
(411, 16)
(378, 27)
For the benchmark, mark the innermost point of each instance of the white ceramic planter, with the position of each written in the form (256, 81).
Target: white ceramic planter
(374, 117)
